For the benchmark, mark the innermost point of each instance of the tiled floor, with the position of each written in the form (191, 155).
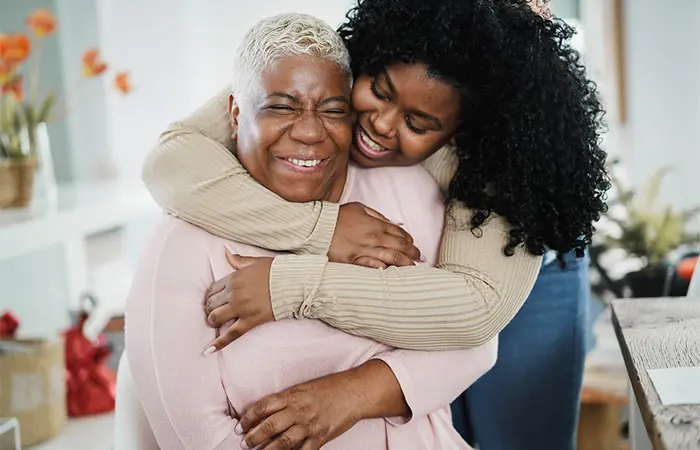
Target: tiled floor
(94, 433)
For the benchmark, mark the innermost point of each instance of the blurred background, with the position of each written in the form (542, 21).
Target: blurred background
(114, 73)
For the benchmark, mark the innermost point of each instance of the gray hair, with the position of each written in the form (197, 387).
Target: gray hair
(284, 35)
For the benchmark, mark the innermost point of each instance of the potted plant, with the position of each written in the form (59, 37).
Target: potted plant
(649, 230)
(23, 118)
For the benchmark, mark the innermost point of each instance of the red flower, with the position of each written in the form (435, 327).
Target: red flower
(41, 22)
(92, 65)
(14, 87)
(14, 48)
(122, 83)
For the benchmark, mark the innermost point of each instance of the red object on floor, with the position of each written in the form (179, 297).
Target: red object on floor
(91, 384)
(686, 267)
(8, 325)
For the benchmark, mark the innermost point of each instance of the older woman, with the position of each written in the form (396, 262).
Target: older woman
(290, 104)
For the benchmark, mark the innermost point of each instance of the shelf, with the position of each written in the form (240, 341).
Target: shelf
(80, 210)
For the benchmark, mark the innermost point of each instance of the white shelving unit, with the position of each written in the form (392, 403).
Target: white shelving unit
(88, 222)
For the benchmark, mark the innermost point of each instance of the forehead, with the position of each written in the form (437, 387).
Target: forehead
(304, 76)
(417, 90)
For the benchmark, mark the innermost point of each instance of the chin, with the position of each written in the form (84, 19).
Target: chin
(361, 160)
(300, 196)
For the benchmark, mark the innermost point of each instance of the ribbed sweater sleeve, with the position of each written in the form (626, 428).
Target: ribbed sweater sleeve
(470, 297)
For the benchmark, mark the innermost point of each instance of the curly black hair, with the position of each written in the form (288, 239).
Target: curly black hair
(529, 138)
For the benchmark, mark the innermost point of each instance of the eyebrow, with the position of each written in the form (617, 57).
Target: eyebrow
(283, 95)
(339, 98)
(430, 117)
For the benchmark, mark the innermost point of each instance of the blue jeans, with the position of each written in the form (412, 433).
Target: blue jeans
(530, 399)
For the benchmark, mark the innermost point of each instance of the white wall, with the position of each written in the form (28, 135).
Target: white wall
(663, 92)
(179, 52)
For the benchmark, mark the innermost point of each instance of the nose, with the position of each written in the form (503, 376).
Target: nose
(308, 129)
(384, 122)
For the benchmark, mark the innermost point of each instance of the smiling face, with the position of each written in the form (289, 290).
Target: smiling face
(294, 129)
(404, 116)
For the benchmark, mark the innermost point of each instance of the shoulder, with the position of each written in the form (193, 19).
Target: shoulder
(174, 239)
(443, 166)
(459, 219)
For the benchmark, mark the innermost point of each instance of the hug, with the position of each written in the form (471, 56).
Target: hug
(358, 226)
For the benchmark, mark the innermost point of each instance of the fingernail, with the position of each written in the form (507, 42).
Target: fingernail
(238, 429)
(209, 351)
(244, 445)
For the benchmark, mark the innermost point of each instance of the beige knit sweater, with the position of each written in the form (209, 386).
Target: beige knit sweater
(468, 299)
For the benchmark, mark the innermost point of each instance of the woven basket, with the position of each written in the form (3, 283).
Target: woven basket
(16, 182)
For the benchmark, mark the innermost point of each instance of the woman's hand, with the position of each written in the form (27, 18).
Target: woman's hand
(249, 286)
(309, 415)
(305, 417)
(366, 238)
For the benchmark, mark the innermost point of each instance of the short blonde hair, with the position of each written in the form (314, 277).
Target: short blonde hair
(284, 35)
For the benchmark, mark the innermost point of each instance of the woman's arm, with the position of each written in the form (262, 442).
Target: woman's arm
(472, 295)
(477, 292)
(180, 389)
(431, 380)
(192, 173)
(398, 385)
(320, 410)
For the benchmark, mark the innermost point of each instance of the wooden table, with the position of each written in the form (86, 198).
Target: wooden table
(655, 334)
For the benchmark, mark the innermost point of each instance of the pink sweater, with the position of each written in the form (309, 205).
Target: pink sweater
(192, 401)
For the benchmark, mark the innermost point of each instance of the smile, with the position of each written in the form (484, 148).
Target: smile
(369, 147)
(305, 162)
(305, 165)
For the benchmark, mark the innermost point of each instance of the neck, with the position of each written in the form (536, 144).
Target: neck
(336, 188)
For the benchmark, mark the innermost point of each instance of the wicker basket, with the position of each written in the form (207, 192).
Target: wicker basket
(16, 182)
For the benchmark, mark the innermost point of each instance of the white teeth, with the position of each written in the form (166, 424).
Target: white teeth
(373, 145)
(304, 162)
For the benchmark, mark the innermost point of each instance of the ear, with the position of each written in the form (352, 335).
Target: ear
(235, 111)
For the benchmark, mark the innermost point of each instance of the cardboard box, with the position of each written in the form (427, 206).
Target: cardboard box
(33, 387)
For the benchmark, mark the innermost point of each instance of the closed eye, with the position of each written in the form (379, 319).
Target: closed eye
(335, 111)
(375, 91)
(281, 109)
(412, 127)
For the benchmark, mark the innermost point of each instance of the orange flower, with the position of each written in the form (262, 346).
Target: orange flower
(41, 22)
(14, 48)
(122, 83)
(14, 87)
(92, 65)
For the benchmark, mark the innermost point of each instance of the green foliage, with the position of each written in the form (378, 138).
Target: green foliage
(651, 229)
(18, 122)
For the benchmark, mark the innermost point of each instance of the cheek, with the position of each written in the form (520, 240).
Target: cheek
(266, 131)
(341, 131)
(417, 148)
(362, 97)
(255, 138)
